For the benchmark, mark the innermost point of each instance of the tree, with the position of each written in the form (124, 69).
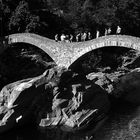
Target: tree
(73, 15)
(34, 24)
(88, 9)
(20, 18)
(129, 16)
(23, 21)
(70, 15)
(105, 13)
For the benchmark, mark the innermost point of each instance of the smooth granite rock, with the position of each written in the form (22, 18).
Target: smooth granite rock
(75, 105)
(20, 100)
(57, 98)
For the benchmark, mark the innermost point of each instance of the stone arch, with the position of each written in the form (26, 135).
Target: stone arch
(77, 63)
(49, 46)
(65, 54)
(32, 39)
(82, 48)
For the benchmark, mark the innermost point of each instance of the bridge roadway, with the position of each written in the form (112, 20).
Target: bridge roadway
(65, 54)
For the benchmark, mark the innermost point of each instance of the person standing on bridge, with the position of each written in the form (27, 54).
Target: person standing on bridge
(56, 37)
(63, 37)
(83, 36)
(67, 38)
(109, 31)
(118, 31)
(105, 31)
(71, 37)
(78, 37)
(89, 36)
(97, 33)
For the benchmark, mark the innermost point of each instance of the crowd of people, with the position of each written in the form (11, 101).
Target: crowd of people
(70, 38)
(83, 36)
(109, 31)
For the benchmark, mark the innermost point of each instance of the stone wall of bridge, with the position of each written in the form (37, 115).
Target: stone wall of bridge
(56, 50)
(65, 54)
(111, 40)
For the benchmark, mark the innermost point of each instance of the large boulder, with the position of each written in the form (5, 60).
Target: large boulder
(105, 80)
(128, 87)
(19, 100)
(75, 106)
(58, 97)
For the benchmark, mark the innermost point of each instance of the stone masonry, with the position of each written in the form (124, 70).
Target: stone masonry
(65, 54)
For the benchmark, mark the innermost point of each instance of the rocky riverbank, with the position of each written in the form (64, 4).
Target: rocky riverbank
(70, 101)
(61, 98)
(58, 97)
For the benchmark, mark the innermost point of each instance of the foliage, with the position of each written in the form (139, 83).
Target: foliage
(70, 16)
(22, 20)
(4, 14)
(129, 16)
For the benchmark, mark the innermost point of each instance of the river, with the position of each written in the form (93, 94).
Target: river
(123, 123)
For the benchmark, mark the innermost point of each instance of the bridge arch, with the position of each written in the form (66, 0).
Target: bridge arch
(65, 54)
(35, 40)
(82, 48)
(49, 46)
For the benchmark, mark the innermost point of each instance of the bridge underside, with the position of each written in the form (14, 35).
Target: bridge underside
(111, 57)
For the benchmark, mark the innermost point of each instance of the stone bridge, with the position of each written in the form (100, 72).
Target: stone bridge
(65, 54)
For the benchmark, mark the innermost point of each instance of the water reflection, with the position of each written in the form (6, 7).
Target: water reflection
(122, 124)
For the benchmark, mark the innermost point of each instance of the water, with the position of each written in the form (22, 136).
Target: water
(26, 133)
(123, 123)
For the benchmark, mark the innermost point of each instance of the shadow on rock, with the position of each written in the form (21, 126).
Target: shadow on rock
(58, 98)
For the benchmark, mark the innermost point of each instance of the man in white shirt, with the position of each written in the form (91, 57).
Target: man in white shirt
(62, 37)
(118, 31)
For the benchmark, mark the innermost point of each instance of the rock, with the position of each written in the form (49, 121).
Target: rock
(128, 87)
(77, 105)
(20, 100)
(105, 80)
(58, 97)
